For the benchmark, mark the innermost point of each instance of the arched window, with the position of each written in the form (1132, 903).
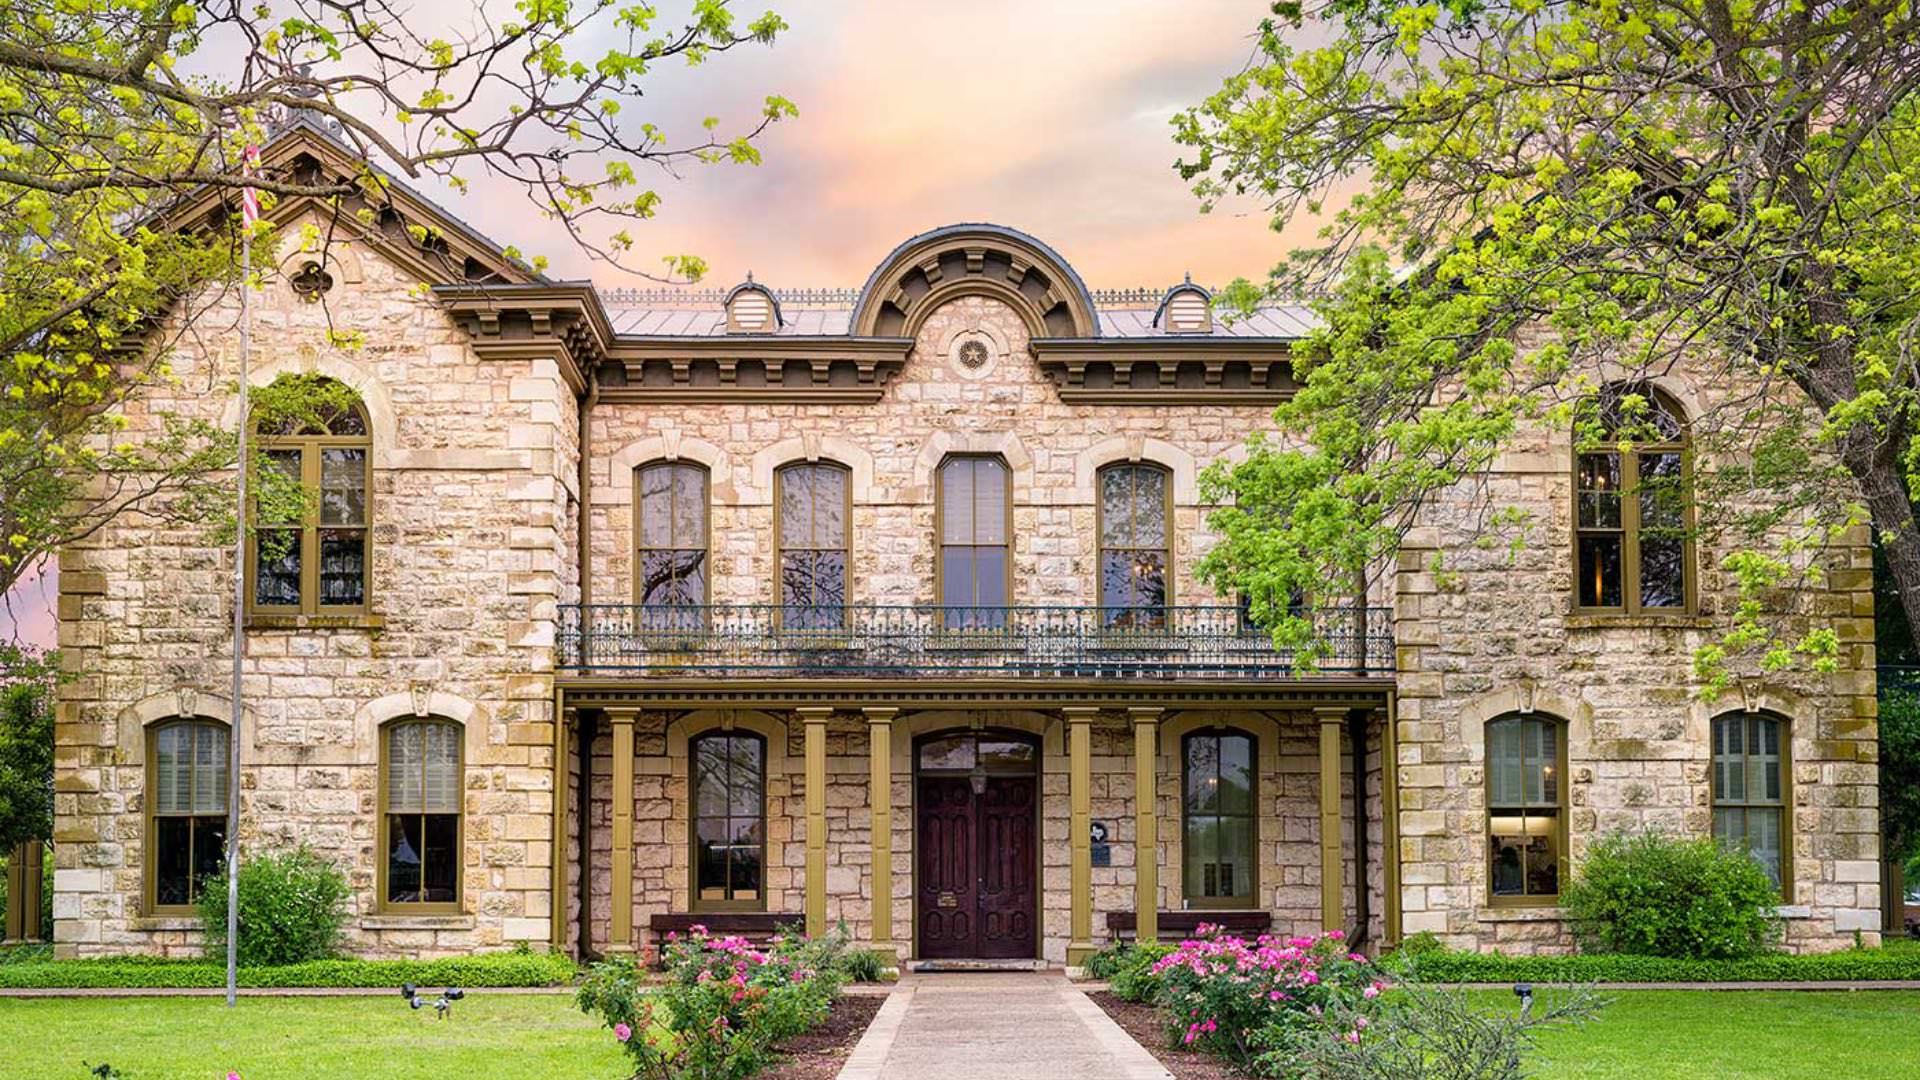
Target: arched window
(1750, 788)
(975, 568)
(1526, 808)
(186, 811)
(813, 504)
(729, 820)
(1632, 551)
(670, 540)
(309, 555)
(421, 789)
(1219, 818)
(1135, 540)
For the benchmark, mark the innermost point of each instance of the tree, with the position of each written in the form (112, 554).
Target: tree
(114, 112)
(26, 747)
(1518, 192)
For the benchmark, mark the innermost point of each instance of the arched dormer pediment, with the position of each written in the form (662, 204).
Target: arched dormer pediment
(975, 260)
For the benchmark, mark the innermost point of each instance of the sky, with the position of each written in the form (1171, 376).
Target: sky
(1051, 116)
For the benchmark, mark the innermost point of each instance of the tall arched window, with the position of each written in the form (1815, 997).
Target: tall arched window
(1526, 808)
(186, 810)
(1632, 551)
(729, 820)
(1219, 819)
(1750, 788)
(813, 501)
(421, 789)
(976, 568)
(309, 555)
(670, 540)
(1135, 540)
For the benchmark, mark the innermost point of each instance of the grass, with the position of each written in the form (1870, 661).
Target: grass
(489, 1037)
(1736, 1035)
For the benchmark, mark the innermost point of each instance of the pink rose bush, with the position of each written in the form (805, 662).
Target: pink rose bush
(721, 1006)
(1253, 1002)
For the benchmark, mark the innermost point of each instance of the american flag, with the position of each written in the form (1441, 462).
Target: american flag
(249, 198)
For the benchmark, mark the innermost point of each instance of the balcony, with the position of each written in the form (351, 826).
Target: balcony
(916, 641)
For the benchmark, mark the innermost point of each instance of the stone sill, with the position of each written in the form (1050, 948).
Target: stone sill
(1522, 914)
(164, 922)
(1671, 621)
(316, 622)
(1794, 911)
(417, 922)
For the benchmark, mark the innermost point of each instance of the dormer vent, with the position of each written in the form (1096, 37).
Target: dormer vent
(1186, 309)
(752, 309)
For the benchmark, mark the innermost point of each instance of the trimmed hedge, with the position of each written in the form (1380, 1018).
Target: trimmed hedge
(1846, 965)
(146, 972)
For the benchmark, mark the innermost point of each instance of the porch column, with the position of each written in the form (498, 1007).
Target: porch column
(621, 936)
(1332, 905)
(563, 722)
(1146, 823)
(1080, 831)
(880, 803)
(23, 893)
(815, 719)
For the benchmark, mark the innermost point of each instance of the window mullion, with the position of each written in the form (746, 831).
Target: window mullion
(1630, 530)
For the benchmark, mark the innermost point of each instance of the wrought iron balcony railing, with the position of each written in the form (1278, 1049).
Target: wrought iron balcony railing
(747, 640)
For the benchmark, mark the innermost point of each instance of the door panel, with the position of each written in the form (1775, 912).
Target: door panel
(1007, 894)
(947, 880)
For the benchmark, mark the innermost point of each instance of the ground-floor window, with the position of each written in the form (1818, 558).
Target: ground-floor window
(188, 800)
(729, 820)
(1525, 813)
(421, 791)
(1749, 787)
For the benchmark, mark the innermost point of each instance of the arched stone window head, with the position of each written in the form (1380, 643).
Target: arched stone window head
(311, 510)
(1632, 545)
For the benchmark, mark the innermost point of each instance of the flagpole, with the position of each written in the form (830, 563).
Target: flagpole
(250, 212)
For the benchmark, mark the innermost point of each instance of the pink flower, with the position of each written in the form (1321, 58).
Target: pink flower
(233, 1076)
(1371, 992)
(1353, 1037)
(620, 1031)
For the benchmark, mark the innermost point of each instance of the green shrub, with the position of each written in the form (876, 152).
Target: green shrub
(724, 1004)
(864, 965)
(1133, 977)
(147, 972)
(1850, 965)
(1651, 894)
(292, 906)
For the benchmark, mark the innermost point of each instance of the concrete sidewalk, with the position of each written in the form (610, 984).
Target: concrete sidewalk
(1009, 1026)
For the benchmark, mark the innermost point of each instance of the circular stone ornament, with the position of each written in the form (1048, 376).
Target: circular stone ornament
(972, 351)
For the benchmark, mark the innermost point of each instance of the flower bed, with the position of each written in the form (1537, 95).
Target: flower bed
(723, 1005)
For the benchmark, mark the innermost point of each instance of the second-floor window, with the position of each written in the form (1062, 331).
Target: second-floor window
(811, 499)
(312, 558)
(670, 535)
(1631, 546)
(975, 557)
(1134, 541)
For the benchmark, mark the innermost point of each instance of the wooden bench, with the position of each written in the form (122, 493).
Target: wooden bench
(756, 926)
(1179, 925)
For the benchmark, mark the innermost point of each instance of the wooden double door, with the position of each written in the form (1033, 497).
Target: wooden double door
(976, 823)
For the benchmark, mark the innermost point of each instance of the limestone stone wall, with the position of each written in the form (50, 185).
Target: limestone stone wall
(471, 548)
(1497, 636)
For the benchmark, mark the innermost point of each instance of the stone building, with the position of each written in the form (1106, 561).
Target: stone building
(877, 607)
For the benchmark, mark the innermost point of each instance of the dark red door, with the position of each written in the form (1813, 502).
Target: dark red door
(976, 875)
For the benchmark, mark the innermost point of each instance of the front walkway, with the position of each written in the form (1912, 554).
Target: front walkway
(1009, 1026)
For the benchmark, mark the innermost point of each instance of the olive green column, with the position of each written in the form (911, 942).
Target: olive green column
(563, 719)
(621, 935)
(1146, 823)
(815, 719)
(880, 806)
(1332, 904)
(23, 893)
(1080, 796)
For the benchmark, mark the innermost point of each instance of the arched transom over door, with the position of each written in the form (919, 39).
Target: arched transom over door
(976, 884)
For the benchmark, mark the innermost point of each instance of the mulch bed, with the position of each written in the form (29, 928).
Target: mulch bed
(818, 1054)
(1149, 1030)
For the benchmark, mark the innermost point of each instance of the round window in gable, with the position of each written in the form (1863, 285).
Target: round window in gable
(311, 282)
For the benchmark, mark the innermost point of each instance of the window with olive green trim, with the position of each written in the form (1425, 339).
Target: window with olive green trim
(187, 810)
(1135, 541)
(729, 820)
(670, 543)
(975, 566)
(812, 500)
(1632, 549)
(1219, 819)
(1526, 811)
(1750, 788)
(420, 797)
(318, 564)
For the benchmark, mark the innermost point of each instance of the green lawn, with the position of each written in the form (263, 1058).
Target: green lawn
(1740, 1035)
(489, 1037)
